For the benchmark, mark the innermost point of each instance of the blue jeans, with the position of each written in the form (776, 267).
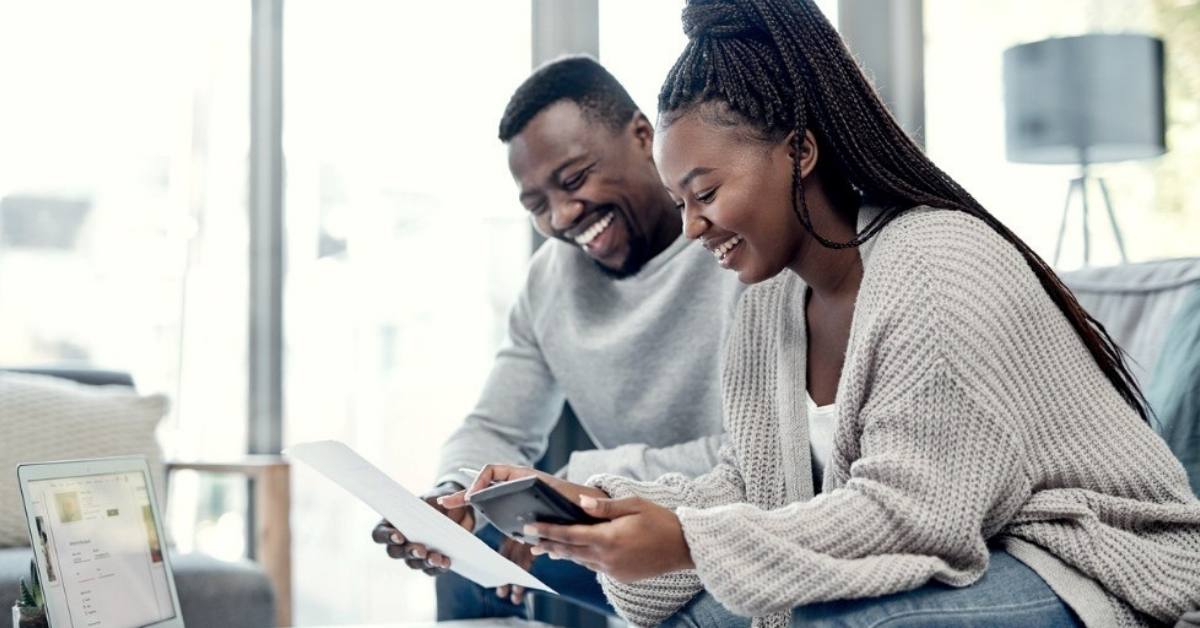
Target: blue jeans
(1008, 594)
(459, 598)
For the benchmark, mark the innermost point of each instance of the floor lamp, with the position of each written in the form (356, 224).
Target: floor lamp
(1085, 100)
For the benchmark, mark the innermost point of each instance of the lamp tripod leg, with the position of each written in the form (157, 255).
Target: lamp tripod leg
(1087, 236)
(1062, 226)
(1112, 219)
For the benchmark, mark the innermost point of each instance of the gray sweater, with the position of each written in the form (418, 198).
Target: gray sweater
(969, 411)
(637, 358)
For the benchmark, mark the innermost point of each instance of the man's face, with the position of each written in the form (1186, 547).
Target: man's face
(588, 185)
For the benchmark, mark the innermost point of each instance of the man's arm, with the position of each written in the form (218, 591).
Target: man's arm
(520, 404)
(641, 462)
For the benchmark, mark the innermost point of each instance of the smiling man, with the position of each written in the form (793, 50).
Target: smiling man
(619, 317)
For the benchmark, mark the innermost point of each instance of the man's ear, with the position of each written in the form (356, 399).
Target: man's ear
(808, 151)
(643, 134)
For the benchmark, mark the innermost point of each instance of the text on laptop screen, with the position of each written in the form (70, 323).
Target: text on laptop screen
(103, 560)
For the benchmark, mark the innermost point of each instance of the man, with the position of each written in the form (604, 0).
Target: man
(618, 317)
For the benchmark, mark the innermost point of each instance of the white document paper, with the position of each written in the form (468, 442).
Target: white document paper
(418, 521)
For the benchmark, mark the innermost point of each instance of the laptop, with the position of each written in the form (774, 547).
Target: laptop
(96, 530)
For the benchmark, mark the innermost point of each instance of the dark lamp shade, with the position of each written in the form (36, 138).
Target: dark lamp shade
(1087, 99)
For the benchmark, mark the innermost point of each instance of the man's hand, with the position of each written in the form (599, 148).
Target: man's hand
(416, 555)
(522, 555)
(641, 540)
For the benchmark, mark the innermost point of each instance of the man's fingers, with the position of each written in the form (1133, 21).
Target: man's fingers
(398, 551)
(502, 591)
(382, 533)
(518, 594)
(438, 560)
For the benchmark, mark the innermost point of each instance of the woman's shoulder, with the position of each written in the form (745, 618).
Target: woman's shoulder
(947, 244)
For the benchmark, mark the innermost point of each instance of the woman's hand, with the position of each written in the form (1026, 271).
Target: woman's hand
(641, 541)
(502, 473)
(515, 551)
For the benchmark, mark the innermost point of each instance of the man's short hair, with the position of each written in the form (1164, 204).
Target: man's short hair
(579, 79)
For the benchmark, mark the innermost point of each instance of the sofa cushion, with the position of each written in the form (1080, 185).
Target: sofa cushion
(1136, 303)
(211, 592)
(46, 418)
(1175, 391)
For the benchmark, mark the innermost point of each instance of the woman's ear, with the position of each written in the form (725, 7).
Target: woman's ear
(808, 152)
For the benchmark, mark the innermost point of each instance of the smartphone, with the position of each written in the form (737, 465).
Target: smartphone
(510, 505)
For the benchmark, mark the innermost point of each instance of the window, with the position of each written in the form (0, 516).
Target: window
(640, 41)
(123, 215)
(406, 245)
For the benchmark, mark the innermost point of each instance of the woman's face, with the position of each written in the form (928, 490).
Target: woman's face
(734, 193)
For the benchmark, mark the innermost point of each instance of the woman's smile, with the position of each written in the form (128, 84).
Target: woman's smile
(725, 249)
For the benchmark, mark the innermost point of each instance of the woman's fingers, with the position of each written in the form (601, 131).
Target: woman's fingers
(570, 535)
(611, 508)
(558, 551)
(487, 475)
(498, 473)
(453, 500)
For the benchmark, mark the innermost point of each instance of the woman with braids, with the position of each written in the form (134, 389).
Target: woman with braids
(977, 449)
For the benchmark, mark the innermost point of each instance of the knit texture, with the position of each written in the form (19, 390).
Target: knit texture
(969, 411)
(626, 354)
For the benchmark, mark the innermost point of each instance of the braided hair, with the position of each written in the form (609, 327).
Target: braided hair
(780, 67)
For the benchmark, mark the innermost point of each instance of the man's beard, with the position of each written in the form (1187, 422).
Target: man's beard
(639, 254)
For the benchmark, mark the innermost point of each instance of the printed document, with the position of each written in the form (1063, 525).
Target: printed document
(418, 521)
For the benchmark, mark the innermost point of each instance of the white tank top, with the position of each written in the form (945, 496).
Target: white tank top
(822, 423)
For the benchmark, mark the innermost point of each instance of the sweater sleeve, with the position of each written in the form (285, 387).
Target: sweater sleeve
(649, 602)
(933, 468)
(643, 462)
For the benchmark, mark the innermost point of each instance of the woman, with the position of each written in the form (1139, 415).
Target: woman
(982, 449)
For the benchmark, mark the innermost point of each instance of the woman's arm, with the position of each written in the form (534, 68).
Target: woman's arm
(721, 485)
(937, 475)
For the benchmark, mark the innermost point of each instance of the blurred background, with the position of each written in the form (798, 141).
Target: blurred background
(146, 218)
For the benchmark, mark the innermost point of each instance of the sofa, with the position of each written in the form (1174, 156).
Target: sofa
(212, 592)
(1152, 310)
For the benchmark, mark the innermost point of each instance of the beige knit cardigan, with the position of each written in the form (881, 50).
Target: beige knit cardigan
(969, 412)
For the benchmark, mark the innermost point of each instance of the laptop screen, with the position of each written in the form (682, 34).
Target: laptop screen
(99, 547)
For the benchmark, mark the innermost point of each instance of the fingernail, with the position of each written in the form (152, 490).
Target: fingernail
(396, 538)
(441, 500)
(529, 530)
(587, 502)
(536, 551)
(419, 553)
